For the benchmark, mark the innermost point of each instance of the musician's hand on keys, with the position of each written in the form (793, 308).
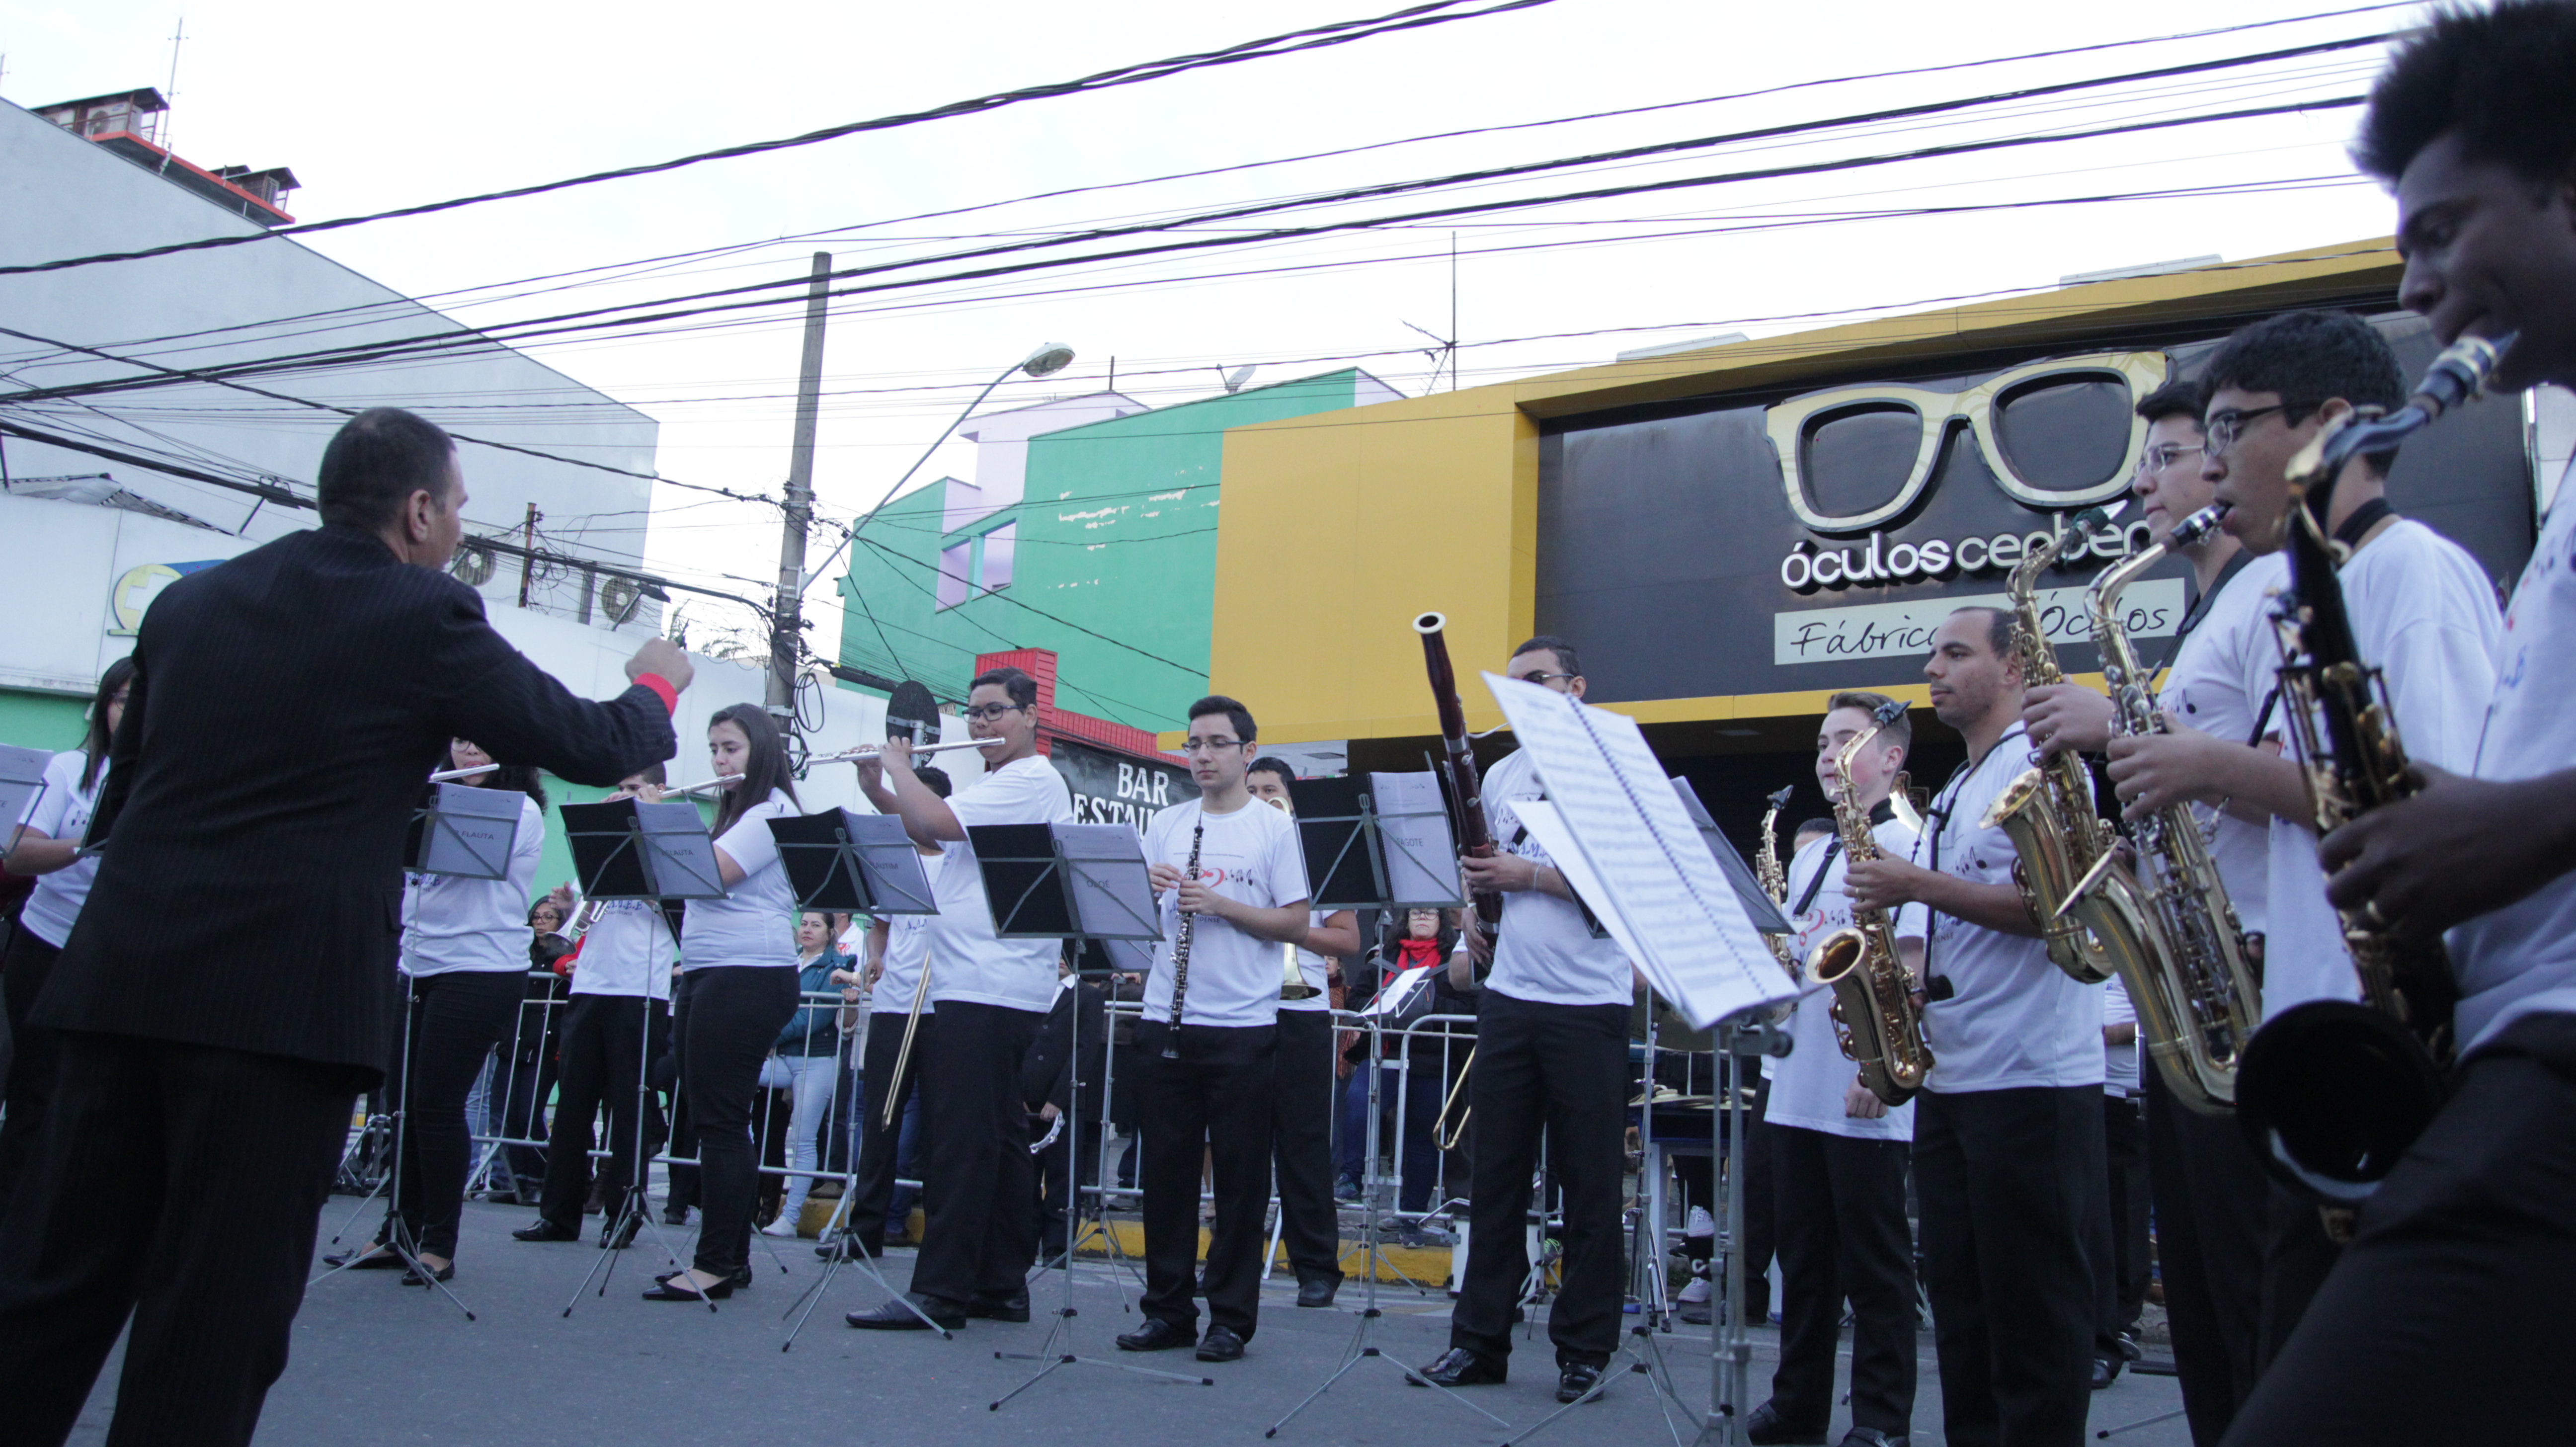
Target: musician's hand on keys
(2152, 772)
(1883, 883)
(2061, 716)
(1163, 876)
(1861, 1104)
(662, 656)
(1497, 873)
(898, 751)
(1199, 896)
(1480, 945)
(2460, 848)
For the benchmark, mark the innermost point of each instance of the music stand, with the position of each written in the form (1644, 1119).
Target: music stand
(22, 783)
(1084, 882)
(463, 832)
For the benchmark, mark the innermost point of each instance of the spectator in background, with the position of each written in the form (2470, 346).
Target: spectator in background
(1422, 939)
(42, 848)
(802, 1060)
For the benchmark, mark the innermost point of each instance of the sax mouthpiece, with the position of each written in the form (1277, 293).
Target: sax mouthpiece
(2093, 519)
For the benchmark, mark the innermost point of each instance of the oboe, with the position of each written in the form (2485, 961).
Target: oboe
(1181, 951)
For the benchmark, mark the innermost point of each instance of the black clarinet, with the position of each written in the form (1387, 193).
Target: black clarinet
(1181, 952)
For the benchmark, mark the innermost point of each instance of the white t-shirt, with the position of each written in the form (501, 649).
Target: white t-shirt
(2423, 613)
(2119, 1062)
(967, 962)
(1547, 954)
(2013, 1018)
(754, 925)
(627, 950)
(907, 945)
(1314, 970)
(62, 812)
(451, 924)
(1809, 1083)
(2521, 960)
(1250, 856)
(2210, 688)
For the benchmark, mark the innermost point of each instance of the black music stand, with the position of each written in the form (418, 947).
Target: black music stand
(22, 783)
(463, 832)
(1759, 906)
(1083, 882)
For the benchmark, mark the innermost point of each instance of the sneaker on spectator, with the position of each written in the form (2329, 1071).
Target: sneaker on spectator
(1700, 1224)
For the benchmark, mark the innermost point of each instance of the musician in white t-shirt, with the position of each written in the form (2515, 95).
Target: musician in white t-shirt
(2210, 1194)
(1838, 1152)
(1301, 1102)
(1231, 883)
(2425, 1331)
(993, 994)
(2008, 1130)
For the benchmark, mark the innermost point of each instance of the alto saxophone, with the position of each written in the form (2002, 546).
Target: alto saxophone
(2048, 810)
(1874, 1015)
(2167, 925)
(1773, 879)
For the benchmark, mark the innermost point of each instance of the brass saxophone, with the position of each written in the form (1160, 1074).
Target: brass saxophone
(2167, 925)
(2048, 810)
(2331, 1093)
(1774, 879)
(1875, 1019)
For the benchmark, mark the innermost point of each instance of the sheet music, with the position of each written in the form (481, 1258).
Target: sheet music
(1105, 867)
(1402, 988)
(1413, 823)
(22, 781)
(1674, 909)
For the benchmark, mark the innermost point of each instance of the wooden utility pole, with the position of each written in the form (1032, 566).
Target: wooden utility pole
(787, 623)
(528, 554)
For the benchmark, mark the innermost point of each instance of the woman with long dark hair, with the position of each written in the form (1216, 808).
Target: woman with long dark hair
(738, 990)
(44, 845)
(465, 969)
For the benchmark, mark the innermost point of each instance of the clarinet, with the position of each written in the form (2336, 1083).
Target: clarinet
(1181, 952)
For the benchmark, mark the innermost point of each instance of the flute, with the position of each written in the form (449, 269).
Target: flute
(846, 756)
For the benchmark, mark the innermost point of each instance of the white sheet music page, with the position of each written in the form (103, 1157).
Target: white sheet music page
(1689, 931)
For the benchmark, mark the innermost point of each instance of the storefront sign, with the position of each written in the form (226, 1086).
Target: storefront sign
(2152, 609)
(1115, 788)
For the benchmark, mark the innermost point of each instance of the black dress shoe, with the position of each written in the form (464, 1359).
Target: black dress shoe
(366, 1258)
(444, 1273)
(1459, 1367)
(2106, 1370)
(1765, 1429)
(1000, 1308)
(618, 1238)
(675, 1214)
(1872, 1437)
(1316, 1288)
(1220, 1345)
(1158, 1335)
(544, 1230)
(676, 1287)
(1576, 1380)
(895, 1316)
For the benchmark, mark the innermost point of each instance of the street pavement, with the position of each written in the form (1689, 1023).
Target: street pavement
(378, 1363)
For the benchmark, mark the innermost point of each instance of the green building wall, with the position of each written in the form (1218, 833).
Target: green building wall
(1116, 540)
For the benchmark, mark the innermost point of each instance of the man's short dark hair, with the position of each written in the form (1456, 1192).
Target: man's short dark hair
(380, 457)
(1566, 662)
(1016, 682)
(2306, 357)
(1245, 730)
(934, 778)
(1899, 732)
(1999, 628)
(1272, 764)
(652, 773)
(2500, 77)
(2173, 399)
(1812, 826)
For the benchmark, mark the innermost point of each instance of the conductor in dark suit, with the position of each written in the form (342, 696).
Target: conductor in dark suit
(230, 986)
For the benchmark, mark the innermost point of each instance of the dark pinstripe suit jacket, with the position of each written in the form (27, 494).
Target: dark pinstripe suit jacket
(286, 706)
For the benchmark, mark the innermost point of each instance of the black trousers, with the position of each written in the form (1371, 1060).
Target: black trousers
(179, 1185)
(2210, 1199)
(2297, 1255)
(2005, 1180)
(2120, 1293)
(1216, 1095)
(1301, 1140)
(982, 1184)
(2440, 1322)
(866, 1217)
(1562, 1069)
(31, 1070)
(733, 1016)
(1056, 1169)
(1842, 1234)
(455, 1021)
(606, 1041)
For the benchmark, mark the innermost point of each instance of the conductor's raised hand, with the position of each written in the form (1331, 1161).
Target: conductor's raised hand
(662, 656)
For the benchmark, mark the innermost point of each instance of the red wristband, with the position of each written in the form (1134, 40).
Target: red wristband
(662, 690)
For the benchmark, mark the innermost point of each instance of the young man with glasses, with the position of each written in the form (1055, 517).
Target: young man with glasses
(2209, 1191)
(1552, 1056)
(2422, 611)
(1301, 1101)
(993, 994)
(1226, 867)
(2437, 1323)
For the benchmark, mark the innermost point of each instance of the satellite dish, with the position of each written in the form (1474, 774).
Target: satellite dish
(1235, 379)
(472, 565)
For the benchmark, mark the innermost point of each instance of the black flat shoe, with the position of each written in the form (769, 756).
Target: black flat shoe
(1220, 1345)
(1010, 1308)
(1459, 1367)
(895, 1316)
(739, 1281)
(444, 1273)
(365, 1258)
(1765, 1429)
(1316, 1288)
(544, 1230)
(1158, 1335)
(676, 1287)
(1576, 1380)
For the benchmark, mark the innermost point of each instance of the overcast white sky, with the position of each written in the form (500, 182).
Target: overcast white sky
(376, 107)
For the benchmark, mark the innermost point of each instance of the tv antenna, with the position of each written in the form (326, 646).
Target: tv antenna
(1446, 354)
(170, 94)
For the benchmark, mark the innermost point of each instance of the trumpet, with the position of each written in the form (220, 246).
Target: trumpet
(845, 756)
(1292, 980)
